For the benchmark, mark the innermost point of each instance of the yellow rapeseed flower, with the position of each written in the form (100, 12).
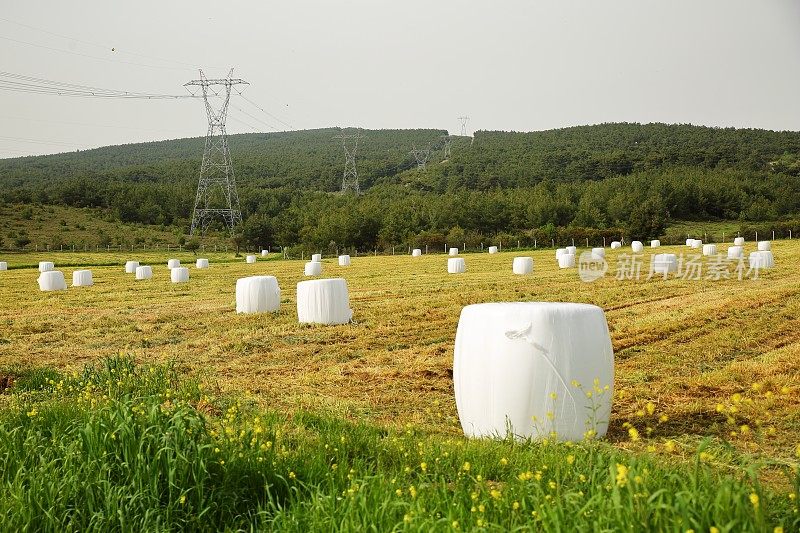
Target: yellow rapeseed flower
(633, 433)
(622, 475)
(496, 494)
(570, 459)
(754, 499)
(503, 461)
(466, 466)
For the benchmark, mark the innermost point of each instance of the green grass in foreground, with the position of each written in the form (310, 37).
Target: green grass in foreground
(134, 448)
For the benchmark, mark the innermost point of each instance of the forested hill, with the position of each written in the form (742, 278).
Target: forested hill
(609, 176)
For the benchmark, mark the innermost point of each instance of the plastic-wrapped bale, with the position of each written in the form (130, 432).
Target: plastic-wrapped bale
(527, 368)
(697, 243)
(560, 252)
(3, 265)
(637, 247)
(313, 268)
(738, 241)
(764, 246)
(572, 250)
(52, 280)
(179, 275)
(493, 249)
(566, 261)
(655, 243)
(598, 253)
(416, 252)
(130, 267)
(615, 245)
(665, 263)
(453, 251)
(257, 294)
(344, 260)
(264, 253)
(522, 265)
(46, 266)
(201, 263)
(735, 252)
(763, 259)
(82, 278)
(709, 249)
(144, 272)
(173, 263)
(323, 301)
(689, 242)
(317, 258)
(250, 259)
(456, 265)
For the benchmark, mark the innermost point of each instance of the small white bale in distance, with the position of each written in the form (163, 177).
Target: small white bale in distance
(317, 258)
(144, 272)
(522, 265)
(179, 275)
(323, 301)
(525, 368)
(313, 268)
(130, 267)
(689, 242)
(344, 260)
(52, 280)
(416, 252)
(3, 265)
(637, 247)
(257, 294)
(250, 259)
(697, 243)
(201, 263)
(173, 263)
(46, 266)
(615, 245)
(738, 241)
(709, 249)
(493, 249)
(456, 265)
(560, 252)
(763, 259)
(764, 246)
(82, 278)
(566, 261)
(735, 252)
(665, 263)
(598, 253)
(572, 250)
(655, 243)
(264, 253)
(453, 251)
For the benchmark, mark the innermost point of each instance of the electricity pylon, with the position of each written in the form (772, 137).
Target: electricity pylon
(350, 176)
(464, 121)
(216, 170)
(446, 148)
(421, 156)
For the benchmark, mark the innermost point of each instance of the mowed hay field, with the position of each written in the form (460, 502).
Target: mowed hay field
(694, 358)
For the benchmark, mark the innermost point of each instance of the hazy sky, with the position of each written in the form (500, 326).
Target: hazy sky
(509, 65)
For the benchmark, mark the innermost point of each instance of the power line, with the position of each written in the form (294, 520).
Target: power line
(246, 99)
(10, 81)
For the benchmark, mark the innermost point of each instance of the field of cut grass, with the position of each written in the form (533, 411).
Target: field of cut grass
(706, 371)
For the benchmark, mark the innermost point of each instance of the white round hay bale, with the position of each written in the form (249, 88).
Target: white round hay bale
(46, 266)
(764, 246)
(130, 267)
(323, 301)
(615, 245)
(344, 260)
(82, 278)
(637, 247)
(566, 261)
(665, 263)
(52, 280)
(144, 272)
(697, 243)
(560, 252)
(709, 249)
(173, 263)
(313, 268)
(738, 241)
(763, 259)
(264, 253)
(598, 253)
(250, 259)
(735, 252)
(317, 258)
(453, 251)
(655, 243)
(572, 250)
(179, 275)
(257, 294)
(201, 263)
(522, 265)
(527, 368)
(416, 252)
(3, 265)
(493, 249)
(456, 265)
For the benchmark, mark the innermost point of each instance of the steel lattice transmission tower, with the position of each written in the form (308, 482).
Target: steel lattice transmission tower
(350, 177)
(464, 121)
(216, 171)
(446, 148)
(421, 156)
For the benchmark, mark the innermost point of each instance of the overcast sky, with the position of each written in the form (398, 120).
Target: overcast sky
(509, 65)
